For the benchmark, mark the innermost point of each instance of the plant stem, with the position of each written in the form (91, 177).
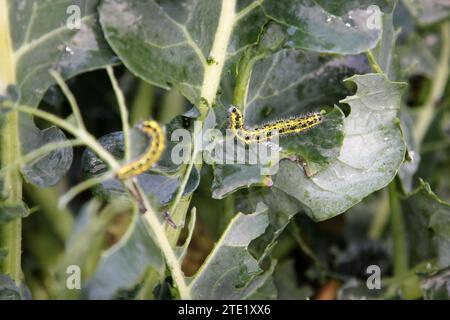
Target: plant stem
(211, 81)
(83, 186)
(373, 62)
(243, 79)
(150, 218)
(123, 113)
(398, 232)
(247, 10)
(427, 111)
(10, 232)
(213, 71)
(153, 277)
(84, 136)
(159, 233)
(70, 97)
(40, 152)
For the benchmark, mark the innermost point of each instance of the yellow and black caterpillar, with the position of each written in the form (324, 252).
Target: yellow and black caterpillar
(154, 151)
(268, 130)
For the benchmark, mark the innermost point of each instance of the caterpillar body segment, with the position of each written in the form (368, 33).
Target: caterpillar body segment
(152, 154)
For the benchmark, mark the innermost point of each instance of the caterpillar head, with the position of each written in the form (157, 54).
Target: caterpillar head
(148, 124)
(233, 109)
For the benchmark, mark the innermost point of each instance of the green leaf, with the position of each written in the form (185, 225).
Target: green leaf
(230, 271)
(47, 170)
(84, 246)
(281, 209)
(372, 152)
(384, 53)
(268, 291)
(281, 86)
(290, 83)
(169, 43)
(428, 225)
(165, 43)
(387, 58)
(328, 26)
(231, 177)
(122, 265)
(296, 81)
(39, 39)
(42, 41)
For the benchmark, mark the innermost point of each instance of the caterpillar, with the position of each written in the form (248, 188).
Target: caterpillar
(154, 151)
(268, 130)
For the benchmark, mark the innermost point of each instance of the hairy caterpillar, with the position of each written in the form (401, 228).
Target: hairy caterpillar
(154, 151)
(152, 129)
(266, 131)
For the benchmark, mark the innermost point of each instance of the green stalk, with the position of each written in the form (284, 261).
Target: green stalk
(250, 56)
(70, 97)
(157, 228)
(211, 81)
(83, 186)
(10, 232)
(427, 111)
(373, 62)
(210, 86)
(243, 79)
(123, 112)
(166, 238)
(398, 233)
(79, 133)
(153, 278)
(40, 152)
